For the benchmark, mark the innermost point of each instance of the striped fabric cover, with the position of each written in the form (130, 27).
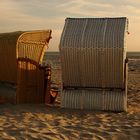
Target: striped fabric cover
(92, 52)
(93, 56)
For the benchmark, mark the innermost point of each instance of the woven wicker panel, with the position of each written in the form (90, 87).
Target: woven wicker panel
(8, 63)
(96, 99)
(33, 44)
(92, 52)
(72, 67)
(91, 67)
(30, 82)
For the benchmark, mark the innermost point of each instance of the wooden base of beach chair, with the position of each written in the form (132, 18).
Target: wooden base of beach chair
(107, 100)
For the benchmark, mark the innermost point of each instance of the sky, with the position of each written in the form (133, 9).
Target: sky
(20, 15)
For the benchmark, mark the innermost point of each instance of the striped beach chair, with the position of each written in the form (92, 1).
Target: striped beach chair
(94, 68)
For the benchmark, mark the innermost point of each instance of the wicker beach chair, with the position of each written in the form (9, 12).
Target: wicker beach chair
(23, 78)
(94, 70)
(31, 83)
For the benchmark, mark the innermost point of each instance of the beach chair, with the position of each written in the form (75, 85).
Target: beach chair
(23, 78)
(94, 68)
(31, 82)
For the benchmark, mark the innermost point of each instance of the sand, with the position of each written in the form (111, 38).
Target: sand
(41, 122)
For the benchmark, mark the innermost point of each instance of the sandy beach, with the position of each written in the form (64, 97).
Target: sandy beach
(41, 122)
